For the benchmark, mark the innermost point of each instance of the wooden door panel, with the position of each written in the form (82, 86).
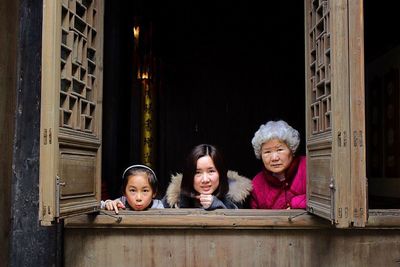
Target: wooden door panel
(319, 108)
(71, 108)
(335, 111)
(77, 171)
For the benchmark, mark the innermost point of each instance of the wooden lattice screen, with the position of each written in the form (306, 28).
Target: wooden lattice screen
(319, 110)
(78, 65)
(335, 111)
(71, 107)
(320, 66)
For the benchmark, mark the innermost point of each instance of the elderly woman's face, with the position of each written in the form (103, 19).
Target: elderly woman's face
(276, 156)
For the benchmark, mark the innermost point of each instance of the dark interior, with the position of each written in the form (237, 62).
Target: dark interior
(226, 69)
(382, 92)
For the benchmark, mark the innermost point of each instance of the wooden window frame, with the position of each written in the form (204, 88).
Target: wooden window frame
(218, 219)
(222, 219)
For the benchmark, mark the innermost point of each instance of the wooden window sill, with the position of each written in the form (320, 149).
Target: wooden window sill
(196, 218)
(385, 218)
(222, 219)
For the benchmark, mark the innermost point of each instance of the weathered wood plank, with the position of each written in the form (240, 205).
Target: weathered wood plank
(231, 247)
(188, 218)
(357, 113)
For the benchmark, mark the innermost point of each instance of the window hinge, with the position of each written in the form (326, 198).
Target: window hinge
(45, 137)
(358, 213)
(342, 139)
(346, 212)
(332, 186)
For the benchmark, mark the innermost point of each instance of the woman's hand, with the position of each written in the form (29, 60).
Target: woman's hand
(205, 200)
(114, 205)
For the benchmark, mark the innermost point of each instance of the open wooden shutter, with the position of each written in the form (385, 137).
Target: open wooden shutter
(336, 188)
(357, 114)
(71, 105)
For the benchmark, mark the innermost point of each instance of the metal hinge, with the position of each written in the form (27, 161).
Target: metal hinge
(47, 137)
(346, 212)
(358, 213)
(332, 186)
(342, 138)
(332, 191)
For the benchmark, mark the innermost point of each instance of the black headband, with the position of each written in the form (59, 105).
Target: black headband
(139, 166)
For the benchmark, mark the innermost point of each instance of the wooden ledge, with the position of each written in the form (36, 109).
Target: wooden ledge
(196, 218)
(386, 218)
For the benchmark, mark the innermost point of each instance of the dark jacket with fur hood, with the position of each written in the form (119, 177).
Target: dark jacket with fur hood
(239, 189)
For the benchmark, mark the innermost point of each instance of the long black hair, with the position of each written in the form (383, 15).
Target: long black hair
(191, 166)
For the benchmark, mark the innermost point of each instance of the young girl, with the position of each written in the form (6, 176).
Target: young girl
(139, 188)
(206, 183)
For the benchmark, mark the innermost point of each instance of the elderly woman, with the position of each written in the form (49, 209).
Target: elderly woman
(282, 182)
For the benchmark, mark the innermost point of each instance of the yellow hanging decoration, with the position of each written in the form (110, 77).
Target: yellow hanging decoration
(144, 64)
(147, 123)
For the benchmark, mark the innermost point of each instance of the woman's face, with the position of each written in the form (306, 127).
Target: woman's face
(138, 192)
(206, 179)
(276, 156)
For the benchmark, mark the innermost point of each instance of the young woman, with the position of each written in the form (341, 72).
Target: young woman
(139, 188)
(282, 182)
(206, 183)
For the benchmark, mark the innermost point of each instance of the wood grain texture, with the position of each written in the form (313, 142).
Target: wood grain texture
(231, 247)
(191, 218)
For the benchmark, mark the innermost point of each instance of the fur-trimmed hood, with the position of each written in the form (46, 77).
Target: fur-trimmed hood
(239, 188)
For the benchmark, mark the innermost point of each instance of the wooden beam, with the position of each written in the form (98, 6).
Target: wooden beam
(191, 218)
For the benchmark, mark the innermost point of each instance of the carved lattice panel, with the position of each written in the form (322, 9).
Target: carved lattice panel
(71, 106)
(335, 111)
(319, 57)
(78, 65)
(319, 113)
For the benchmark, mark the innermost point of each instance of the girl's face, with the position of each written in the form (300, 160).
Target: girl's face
(206, 179)
(138, 192)
(276, 156)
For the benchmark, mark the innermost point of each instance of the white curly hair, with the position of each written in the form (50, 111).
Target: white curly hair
(279, 130)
